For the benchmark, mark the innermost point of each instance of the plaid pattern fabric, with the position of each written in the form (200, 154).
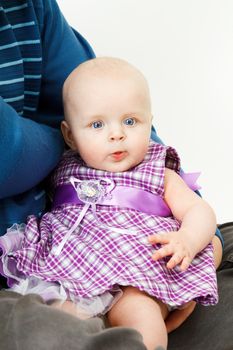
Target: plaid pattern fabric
(95, 258)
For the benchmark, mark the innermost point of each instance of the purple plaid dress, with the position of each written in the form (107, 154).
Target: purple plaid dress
(97, 259)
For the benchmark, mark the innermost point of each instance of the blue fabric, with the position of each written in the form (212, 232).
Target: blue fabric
(219, 235)
(31, 144)
(21, 57)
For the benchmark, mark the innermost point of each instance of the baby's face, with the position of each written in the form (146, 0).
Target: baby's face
(111, 123)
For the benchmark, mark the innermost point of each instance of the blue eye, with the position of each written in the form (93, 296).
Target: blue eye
(129, 121)
(97, 125)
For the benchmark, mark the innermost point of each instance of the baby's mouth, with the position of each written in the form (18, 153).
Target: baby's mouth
(118, 155)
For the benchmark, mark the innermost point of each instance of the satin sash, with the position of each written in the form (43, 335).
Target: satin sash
(125, 196)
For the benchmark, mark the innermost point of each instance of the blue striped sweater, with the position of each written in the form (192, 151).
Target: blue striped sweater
(38, 49)
(20, 57)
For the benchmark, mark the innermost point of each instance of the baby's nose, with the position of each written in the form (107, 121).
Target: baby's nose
(117, 135)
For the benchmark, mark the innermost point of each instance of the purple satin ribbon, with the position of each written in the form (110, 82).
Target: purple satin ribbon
(124, 196)
(121, 196)
(190, 180)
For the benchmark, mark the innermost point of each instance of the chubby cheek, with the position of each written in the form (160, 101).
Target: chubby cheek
(140, 152)
(91, 155)
(85, 144)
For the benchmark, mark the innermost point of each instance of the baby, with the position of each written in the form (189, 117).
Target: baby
(126, 236)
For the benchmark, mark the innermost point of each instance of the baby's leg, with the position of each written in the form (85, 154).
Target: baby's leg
(71, 308)
(138, 310)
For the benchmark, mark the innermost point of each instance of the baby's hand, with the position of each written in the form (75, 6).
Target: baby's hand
(174, 244)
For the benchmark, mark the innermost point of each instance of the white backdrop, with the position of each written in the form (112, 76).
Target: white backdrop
(185, 50)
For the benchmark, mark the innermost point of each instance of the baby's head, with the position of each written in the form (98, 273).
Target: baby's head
(107, 114)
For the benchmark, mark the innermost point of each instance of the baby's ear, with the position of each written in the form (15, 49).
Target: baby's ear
(67, 134)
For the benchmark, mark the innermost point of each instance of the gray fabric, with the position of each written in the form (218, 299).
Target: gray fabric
(26, 323)
(211, 328)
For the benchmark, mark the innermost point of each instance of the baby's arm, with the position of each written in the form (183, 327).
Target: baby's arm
(198, 224)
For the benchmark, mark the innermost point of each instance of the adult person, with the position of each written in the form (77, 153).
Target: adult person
(38, 50)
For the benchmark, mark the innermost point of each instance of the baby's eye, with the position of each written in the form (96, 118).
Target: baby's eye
(97, 125)
(129, 121)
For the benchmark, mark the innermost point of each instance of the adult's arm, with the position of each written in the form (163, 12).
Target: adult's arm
(29, 148)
